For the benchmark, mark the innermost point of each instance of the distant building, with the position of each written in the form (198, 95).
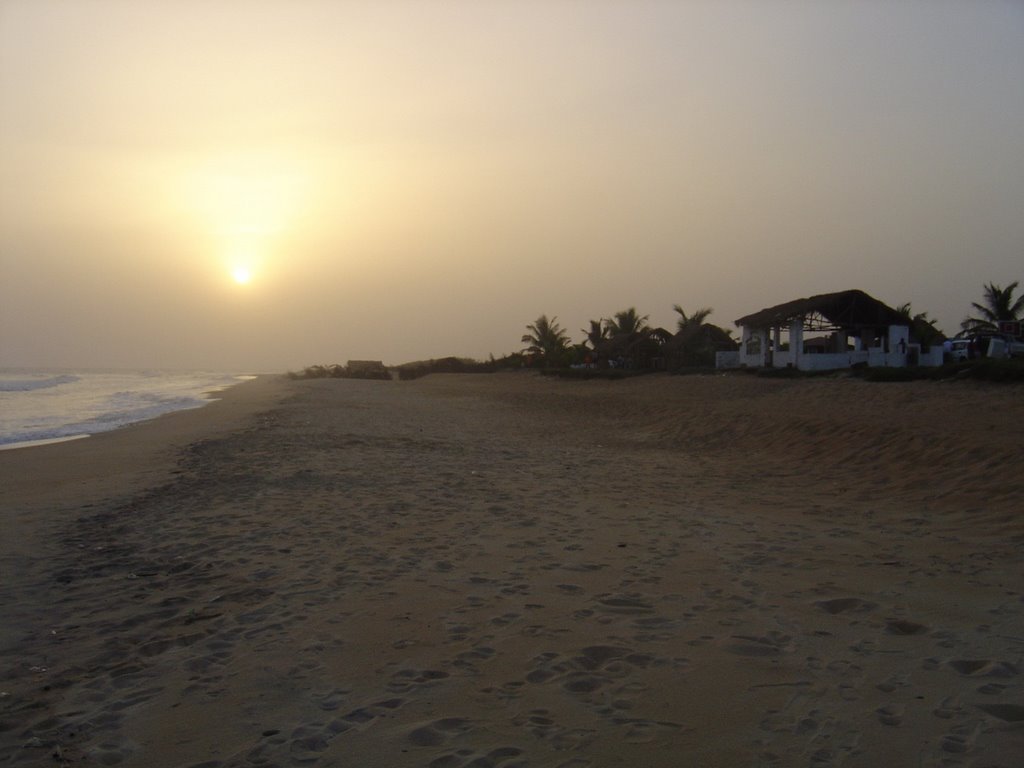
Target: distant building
(849, 328)
(367, 369)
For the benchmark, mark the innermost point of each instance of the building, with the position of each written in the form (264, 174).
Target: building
(832, 331)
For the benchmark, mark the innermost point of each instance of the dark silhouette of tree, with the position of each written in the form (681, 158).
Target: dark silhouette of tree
(547, 340)
(629, 339)
(922, 327)
(696, 341)
(596, 335)
(626, 323)
(999, 304)
(691, 324)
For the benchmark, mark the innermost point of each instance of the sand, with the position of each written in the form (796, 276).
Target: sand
(508, 570)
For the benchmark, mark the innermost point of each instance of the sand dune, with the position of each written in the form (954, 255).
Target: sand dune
(514, 571)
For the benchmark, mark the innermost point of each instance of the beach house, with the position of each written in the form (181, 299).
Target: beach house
(831, 331)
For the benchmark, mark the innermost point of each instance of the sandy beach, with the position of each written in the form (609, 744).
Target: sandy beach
(508, 570)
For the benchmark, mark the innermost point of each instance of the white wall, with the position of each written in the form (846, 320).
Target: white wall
(727, 359)
(874, 357)
(831, 361)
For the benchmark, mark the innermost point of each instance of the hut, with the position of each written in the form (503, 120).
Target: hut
(367, 369)
(851, 328)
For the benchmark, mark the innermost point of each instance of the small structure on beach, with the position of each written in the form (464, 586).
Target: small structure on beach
(832, 331)
(366, 369)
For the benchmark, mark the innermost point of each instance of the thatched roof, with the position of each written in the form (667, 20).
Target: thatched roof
(846, 309)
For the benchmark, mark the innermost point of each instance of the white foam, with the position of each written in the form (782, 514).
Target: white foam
(34, 443)
(28, 385)
(46, 407)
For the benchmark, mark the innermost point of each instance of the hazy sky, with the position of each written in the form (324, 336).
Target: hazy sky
(416, 179)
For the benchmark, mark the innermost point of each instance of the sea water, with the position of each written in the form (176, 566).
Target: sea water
(44, 406)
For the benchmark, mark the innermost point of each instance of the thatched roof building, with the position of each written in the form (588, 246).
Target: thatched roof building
(881, 336)
(848, 310)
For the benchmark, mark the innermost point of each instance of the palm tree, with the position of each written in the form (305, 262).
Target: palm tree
(999, 305)
(696, 341)
(627, 331)
(627, 322)
(547, 340)
(691, 324)
(922, 327)
(596, 335)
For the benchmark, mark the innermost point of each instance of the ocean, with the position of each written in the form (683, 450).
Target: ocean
(38, 407)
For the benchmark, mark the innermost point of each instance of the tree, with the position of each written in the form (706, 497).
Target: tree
(691, 324)
(922, 327)
(696, 341)
(547, 340)
(999, 305)
(628, 335)
(596, 335)
(627, 323)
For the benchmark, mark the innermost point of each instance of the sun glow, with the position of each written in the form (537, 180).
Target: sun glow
(247, 202)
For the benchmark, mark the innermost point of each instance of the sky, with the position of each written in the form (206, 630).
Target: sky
(269, 184)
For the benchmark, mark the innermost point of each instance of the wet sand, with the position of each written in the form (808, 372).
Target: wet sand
(511, 571)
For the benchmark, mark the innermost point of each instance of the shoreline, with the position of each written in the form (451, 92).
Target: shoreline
(55, 471)
(522, 571)
(41, 442)
(35, 428)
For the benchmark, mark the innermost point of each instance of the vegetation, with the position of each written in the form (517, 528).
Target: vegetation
(597, 334)
(625, 344)
(922, 327)
(422, 368)
(354, 370)
(626, 341)
(547, 341)
(998, 305)
(986, 369)
(696, 341)
(626, 323)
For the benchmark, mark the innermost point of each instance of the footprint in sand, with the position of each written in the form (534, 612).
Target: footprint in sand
(983, 668)
(406, 680)
(904, 627)
(643, 731)
(947, 708)
(846, 605)
(467, 758)
(1010, 713)
(771, 644)
(439, 731)
(891, 714)
(959, 741)
(626, 604)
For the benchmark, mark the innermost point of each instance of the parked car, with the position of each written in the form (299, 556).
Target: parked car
(984, 345)
(960, 349)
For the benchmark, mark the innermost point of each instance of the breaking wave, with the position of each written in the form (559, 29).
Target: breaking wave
(28, 385)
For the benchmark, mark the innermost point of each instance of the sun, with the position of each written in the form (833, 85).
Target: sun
(241, 275)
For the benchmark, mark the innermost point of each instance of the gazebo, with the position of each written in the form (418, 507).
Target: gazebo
(851, 328)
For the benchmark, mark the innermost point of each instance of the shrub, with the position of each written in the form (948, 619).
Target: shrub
(420, 368)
